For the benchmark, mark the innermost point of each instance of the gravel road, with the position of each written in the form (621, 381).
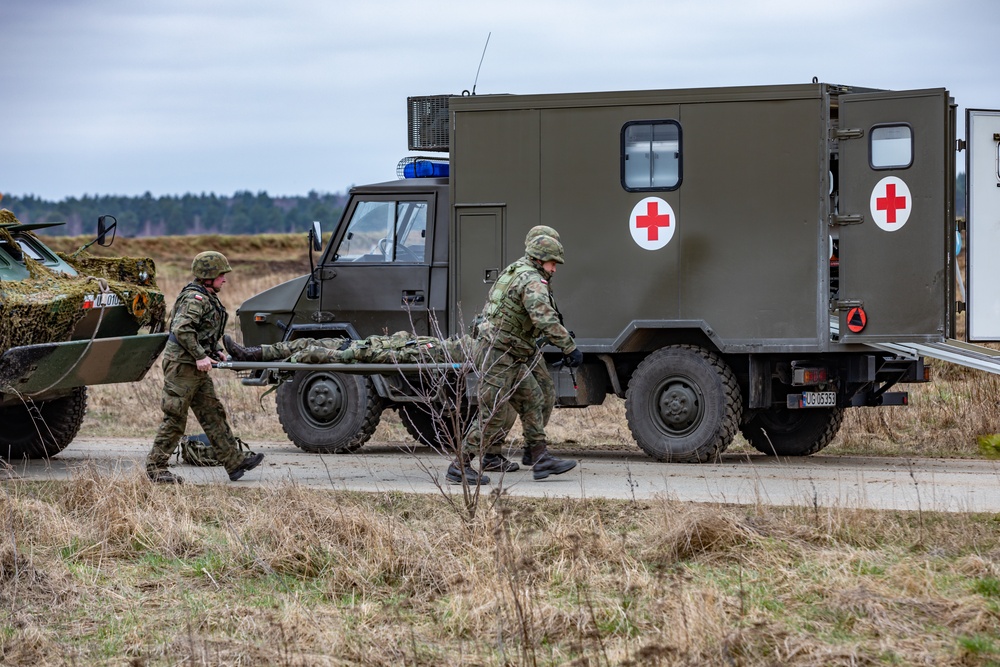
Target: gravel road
(950, 485)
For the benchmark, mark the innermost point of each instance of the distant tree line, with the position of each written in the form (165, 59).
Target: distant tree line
(243, 213)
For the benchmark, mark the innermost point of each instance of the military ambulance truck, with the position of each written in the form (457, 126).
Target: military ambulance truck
(749, 259)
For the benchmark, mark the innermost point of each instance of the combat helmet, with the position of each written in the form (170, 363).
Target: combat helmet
(209, 265)
(545, 249)
(541, 230)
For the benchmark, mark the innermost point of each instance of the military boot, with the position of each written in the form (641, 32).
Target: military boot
(526, 459)
(498, 463)
(240, 353)
(250, 462)
(545, 464)
(164, 477)
(458, 466)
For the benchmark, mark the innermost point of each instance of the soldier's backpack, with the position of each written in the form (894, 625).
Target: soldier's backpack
(197, 450)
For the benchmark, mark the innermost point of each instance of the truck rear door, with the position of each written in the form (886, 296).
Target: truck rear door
(982, 133)
(894, 216)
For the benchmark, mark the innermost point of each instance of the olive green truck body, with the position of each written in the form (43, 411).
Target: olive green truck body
(752, 259)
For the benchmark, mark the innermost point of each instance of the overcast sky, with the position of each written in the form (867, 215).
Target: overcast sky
(177, 96)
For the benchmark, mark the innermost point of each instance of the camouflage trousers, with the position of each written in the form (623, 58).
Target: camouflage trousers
(306, 350)
(509, 387)
(185, 387)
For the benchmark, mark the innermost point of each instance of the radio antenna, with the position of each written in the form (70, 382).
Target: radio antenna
(481, 62)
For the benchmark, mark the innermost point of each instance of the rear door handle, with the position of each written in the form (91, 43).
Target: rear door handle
(413, 297)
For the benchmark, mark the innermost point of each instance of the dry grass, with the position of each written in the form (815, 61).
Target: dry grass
(93, 572)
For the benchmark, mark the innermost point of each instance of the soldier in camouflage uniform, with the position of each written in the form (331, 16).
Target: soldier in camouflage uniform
(518, 312)
(522, 400)
(196, 326)
(539, 369)
(401, 347)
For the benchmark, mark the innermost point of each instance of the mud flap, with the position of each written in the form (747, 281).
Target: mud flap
(32, 369)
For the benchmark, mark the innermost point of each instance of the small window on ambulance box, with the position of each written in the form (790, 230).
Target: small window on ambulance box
(651, 155)
(891, 147)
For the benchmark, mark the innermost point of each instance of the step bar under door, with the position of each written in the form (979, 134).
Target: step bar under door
(951, 350)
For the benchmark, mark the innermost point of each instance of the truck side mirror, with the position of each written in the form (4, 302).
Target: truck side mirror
(316, 236)
(315, 245)
(106, 224)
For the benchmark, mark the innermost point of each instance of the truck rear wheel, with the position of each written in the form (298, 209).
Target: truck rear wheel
(683, 404)
(784, 432)
(41, 429)
(419, 423)
(328, 413)
(434, 428)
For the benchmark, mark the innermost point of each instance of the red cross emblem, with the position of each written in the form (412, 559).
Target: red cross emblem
(890, 203)
(652, 221)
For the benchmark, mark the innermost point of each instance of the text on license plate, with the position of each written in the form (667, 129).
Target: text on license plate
(101, 300)
(813, 399)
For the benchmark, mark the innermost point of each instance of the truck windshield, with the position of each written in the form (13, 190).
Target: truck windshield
(385, 231)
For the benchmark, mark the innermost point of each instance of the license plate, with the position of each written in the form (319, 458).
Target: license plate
(818, 399)
(101, 300)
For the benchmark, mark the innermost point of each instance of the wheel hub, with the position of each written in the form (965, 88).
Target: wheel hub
(325, 399)
(679, 407)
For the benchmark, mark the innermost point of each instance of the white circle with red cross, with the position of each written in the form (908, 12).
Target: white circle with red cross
(891, 203)
(652, 223)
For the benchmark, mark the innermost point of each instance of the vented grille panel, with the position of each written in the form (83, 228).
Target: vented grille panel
(427, 123)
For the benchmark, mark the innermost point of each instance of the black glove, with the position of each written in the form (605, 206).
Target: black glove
(574, 358)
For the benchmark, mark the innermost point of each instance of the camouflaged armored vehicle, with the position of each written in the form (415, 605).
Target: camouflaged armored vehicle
(67, 321)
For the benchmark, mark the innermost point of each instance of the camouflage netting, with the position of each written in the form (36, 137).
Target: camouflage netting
(47, 306)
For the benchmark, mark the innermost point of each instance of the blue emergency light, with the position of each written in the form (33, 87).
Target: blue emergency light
(424, 168)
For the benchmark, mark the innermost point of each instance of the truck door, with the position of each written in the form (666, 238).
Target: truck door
(893, 218)
(982, 133)
(376, 275)
(480, 258)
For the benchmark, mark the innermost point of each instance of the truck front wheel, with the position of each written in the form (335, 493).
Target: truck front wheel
(784, 432)
(41, 429)
(328, 413)
(683, 404)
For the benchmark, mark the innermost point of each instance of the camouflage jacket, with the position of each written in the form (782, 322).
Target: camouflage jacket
(520, 310)
(197, 324)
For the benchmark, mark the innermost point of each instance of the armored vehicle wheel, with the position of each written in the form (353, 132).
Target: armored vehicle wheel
(784, 432)
(328, 413)
(41, 429)
(434, 431)
(683, 404)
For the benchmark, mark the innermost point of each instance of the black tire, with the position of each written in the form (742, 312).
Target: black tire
(435, 431)
(784, 432)
(328, 413)
(418, 422)
(683, 404)
(41, 429)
